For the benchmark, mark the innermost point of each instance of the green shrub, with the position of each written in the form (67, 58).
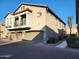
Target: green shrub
(52, 40)
(71, 41)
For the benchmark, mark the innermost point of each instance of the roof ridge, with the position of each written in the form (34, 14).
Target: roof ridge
(34, 4)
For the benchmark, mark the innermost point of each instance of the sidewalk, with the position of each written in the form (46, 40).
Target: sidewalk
(6, 41)
(62, 45)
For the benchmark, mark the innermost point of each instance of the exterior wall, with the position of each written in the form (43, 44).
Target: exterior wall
(53, 26)
(25, 35)
(9, 21)
(30, 35)
(3, 31)
(39, 38)
(34, 36)
(51, 22)
(37, 22)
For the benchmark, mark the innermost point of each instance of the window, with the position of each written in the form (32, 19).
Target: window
(16, 21)
(23, 19)
(39, 14)
(10, 20)
(7, 21)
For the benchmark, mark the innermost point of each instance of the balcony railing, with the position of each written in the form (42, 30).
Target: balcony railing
(8, 26)
(21, 23)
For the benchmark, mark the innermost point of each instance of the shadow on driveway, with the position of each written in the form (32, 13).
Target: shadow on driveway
(25, 50)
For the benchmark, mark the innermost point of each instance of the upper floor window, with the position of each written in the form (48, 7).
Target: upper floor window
(7, 21)
(39, 14)
(16, 21)
(23, 19)
(10, 19)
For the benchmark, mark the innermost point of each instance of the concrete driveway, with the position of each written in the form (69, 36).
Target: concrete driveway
(24, 50)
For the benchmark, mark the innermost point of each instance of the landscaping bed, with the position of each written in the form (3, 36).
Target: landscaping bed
(72, 42)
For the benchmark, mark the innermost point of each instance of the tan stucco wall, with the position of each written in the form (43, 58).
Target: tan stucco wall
(34, 21)
(30, 35)
(4, 31)
(9, 20)
(53, 23)
(16, 36)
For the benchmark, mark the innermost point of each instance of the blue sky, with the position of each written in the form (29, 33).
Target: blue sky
(62, 8)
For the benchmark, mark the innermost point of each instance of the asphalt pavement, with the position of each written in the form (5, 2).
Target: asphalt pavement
(24, 50)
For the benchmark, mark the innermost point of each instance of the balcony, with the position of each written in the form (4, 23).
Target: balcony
(20, 22)
(18, 26)
(8, 26)
(24, 27)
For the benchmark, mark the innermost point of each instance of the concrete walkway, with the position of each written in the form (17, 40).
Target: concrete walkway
(62, 45)
(7, 41)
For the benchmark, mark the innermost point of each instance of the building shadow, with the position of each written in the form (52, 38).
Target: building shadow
(46, 34)
(62, 34)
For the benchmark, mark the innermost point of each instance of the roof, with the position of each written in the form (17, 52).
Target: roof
(8, 14)
(23, 11)
(40, 5)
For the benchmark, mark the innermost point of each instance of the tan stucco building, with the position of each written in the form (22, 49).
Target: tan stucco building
(3, 31)
(33, 22)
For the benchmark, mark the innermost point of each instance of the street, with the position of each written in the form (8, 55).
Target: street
(24, 50)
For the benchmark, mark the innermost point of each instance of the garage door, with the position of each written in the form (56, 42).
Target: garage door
(13, 36)
(19, 36)
(34, 36)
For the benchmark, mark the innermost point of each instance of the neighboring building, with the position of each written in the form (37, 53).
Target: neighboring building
(3, 31)
(34, 22)
(77, 14)
(74, 30)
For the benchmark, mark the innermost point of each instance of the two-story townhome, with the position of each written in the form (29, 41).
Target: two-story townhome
(33, 22)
